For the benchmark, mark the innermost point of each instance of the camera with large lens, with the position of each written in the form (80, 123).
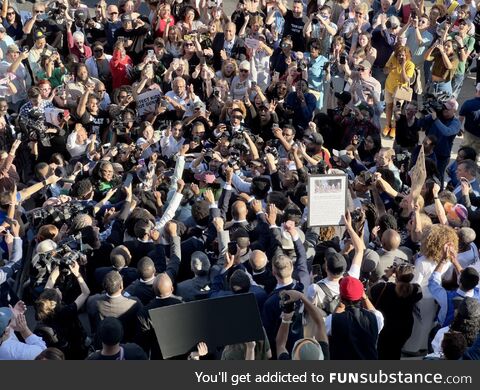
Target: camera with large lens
(435, 102)
(56, 215)
(208, 155)
(301, 66)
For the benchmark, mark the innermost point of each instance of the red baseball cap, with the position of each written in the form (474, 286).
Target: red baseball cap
(351, 288)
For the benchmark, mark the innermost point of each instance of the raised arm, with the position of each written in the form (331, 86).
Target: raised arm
(85, 291)
(357, 242)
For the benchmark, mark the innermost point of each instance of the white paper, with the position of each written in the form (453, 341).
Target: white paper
(326, 199)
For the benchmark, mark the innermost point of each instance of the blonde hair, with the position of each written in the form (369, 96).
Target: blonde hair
(362, 7)
(434, 241)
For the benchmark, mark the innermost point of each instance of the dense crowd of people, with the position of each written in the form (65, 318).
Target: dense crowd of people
(156, 154)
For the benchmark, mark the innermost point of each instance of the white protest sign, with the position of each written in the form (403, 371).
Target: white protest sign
(147, 101)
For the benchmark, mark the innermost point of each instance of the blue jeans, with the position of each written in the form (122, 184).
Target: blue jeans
(457, 83)
(436, 88)
(427, 69)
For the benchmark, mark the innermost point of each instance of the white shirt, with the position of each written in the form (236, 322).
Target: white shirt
(316, 295)
(170, 145)
(13, 349)
(181, 100)
(74, 148)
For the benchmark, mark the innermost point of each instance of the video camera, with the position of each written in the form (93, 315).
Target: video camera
(56, 215)
(435, 102)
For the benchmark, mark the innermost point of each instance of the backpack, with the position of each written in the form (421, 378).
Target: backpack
(330, 301)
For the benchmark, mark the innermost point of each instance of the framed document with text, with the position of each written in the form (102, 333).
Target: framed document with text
(327, 198)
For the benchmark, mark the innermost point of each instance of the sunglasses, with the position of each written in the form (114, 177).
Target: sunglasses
(10, 13)
(98, 50)
(188, 44)
(237, 117)
(244, 70)
(114, 13)
(360, 69)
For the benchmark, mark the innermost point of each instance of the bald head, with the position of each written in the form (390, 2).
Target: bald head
(163, 286)
(239, 210)
(229, 31)
(390, 240)
(258, 260)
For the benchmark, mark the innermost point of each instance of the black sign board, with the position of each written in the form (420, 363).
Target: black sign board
(217, 322)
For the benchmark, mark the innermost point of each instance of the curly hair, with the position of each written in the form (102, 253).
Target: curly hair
(433, 243)
(326, 233)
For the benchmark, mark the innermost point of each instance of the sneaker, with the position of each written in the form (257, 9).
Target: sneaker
(386, 131)
(393, 131)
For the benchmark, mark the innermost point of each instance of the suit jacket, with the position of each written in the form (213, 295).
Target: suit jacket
(128, 274)
(139, 249)
(194, 289)
(239, 52)
(146, 337)
(141, 290)
(100, 306)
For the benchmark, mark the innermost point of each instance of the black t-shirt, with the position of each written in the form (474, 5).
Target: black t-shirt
(294, 28)
(323, 345)
(131, 351)
(95, 123)
(407, 136)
